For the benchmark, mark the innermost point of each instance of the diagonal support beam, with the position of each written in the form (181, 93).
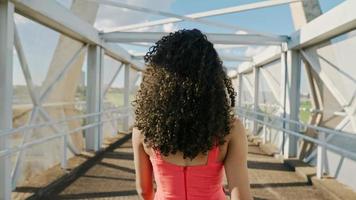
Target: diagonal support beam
(333, 89)
(112, 79)
(223, 56)
(60, 75)
(339, 20)
(269, 79)
(181, 17)
(216, 38)
(37, 104)
(59, 18)
(211, 13)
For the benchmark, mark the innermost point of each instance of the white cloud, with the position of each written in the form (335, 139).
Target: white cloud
(110, 17)
(254, 50)
(170, 27)
(241, 32)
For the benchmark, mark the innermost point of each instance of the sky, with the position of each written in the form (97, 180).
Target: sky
(39, 42)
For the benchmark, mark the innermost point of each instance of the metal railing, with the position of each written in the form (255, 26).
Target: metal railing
(321, 141)
(120, 113)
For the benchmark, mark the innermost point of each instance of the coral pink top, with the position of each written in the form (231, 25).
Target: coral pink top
(199, 182)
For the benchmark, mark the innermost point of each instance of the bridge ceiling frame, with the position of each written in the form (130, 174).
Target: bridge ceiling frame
(338, 21)
(196, 17)
(216, 38)
(59, 18)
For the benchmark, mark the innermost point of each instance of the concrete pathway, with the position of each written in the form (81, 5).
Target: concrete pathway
(111, 176)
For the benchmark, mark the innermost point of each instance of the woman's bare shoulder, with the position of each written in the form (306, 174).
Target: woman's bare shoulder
(136, 134)
(237, 129)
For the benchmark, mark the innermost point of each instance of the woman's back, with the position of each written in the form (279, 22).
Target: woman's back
(184, 109)
(177, 182)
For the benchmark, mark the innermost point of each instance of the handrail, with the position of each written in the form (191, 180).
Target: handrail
(335, 148)
(322, 129)
(10, 151)
(77, 117)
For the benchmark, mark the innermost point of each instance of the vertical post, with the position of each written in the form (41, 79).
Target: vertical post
(94, 97)
(321, 156)
(6, 91)
(126, 94)
(256, 72)
(282, 99)
(64, 153)
(292, 101)
(239, 90)
(264, 136)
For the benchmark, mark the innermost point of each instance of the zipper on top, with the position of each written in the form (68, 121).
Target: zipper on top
(185, 181)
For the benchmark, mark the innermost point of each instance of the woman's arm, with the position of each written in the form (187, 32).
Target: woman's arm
(143, 167)
(236, 163)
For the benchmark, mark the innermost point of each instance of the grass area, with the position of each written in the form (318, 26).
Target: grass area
(304, 113)
(117, 98)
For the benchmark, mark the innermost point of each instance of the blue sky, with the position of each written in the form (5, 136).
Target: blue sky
(274, 19)
(39, 42)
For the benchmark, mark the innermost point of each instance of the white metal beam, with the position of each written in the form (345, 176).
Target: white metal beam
(332, 87)
(119, 53)
(270, 54)
(182, 17)
(248, 84)
(112, 79)
(256, 90)
(62, 73)
(6, 91)
(134, 81)
(229, 57)
(268, 77)
(59, 18)
(223, 56)
(293, 74)
(126, 94)
(211, 13)
(94, 96)
(239, 89)
(216, 38)
(335, 22)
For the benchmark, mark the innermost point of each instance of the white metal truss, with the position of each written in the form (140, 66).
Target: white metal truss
(6, 91)
(181, 17)
(216, 38)
(223, 56)
(113, 79)
(335, 22)
(211, 13)
(49, 13)
(229, 57)
(57, 17)
(62, 73)
(248, 85)
(126, 93)
(37, 102)
(339, 127)
(268, 77)
(94, 95)
(333, 89)
(133, 84)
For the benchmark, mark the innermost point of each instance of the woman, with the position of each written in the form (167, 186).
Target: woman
(185, 133)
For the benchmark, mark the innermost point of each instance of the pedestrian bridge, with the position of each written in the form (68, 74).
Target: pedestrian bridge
(68, 73)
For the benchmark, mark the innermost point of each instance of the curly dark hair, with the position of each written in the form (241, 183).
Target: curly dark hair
(185, 100)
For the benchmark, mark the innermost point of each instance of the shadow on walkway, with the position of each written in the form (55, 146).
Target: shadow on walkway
(111, 174)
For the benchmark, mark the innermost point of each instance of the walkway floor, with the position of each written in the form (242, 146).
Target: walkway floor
(111, 176)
